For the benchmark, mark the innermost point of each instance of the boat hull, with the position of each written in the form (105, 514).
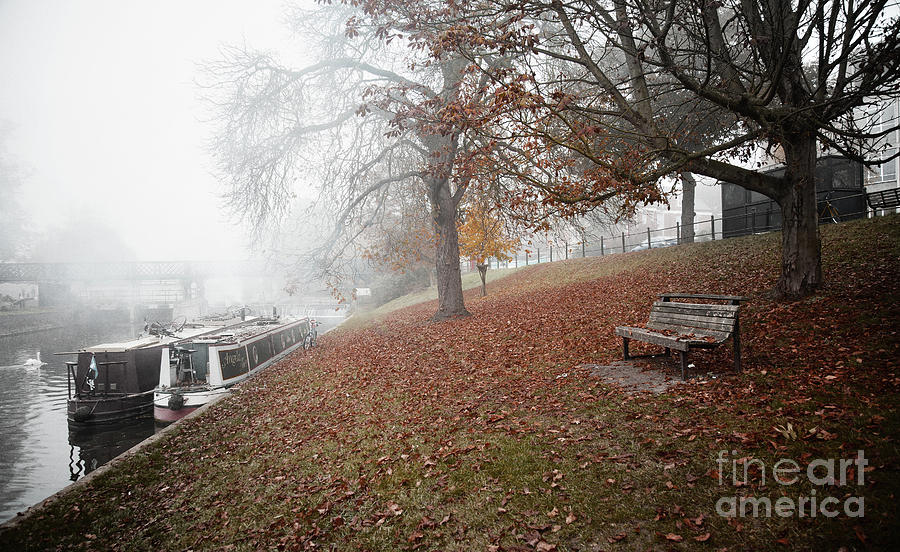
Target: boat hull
(165, 415)
(108, 410)
(166, 412)
(122, 386)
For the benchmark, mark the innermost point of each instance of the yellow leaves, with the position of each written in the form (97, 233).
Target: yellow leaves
(483, 233)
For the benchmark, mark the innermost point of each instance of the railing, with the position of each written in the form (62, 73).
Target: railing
(80, 393)
(753, 220)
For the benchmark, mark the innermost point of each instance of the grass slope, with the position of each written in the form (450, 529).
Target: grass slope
(484, 434)
(469, 281)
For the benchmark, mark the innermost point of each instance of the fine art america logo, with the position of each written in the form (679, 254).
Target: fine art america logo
(821, 472)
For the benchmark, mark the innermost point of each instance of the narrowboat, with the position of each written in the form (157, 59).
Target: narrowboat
(113, 382)
(195, 371)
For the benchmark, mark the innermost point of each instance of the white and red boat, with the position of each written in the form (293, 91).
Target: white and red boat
(112, 382)
(194, 371)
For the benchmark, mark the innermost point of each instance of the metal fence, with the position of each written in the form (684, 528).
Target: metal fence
(707, 229)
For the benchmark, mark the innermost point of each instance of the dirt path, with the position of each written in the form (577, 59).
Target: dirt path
(636, 375)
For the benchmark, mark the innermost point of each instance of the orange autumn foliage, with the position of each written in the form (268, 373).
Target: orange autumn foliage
(483, 233)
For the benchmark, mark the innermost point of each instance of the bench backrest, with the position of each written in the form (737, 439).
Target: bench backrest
(884, 199)
(715, 321)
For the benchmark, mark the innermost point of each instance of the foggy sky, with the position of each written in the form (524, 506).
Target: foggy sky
(108, 121)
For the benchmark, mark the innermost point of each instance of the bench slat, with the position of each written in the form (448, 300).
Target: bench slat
(693, 322)
(701, 296)
(703, 310)
(719, 324)
(641, 334)
(699, 333)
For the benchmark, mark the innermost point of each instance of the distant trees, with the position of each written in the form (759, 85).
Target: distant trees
(79, 238)
(404, 238)
(401, 245)
(11, 219)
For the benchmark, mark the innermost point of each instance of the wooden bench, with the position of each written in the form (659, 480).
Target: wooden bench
(684, 326)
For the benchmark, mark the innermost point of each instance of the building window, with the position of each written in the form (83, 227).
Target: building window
(885, 172)
(885, 146)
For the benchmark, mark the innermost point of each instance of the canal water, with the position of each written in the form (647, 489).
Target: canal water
(38, 453)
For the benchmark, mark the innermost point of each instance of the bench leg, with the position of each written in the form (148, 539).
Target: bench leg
(736, 343)
(683, 357)
(668, 351)
(626, 356)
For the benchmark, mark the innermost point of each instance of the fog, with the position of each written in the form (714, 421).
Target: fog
(105, 125)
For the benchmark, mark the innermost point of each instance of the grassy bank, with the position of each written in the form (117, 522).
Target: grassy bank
(469, 281)
(486, 433)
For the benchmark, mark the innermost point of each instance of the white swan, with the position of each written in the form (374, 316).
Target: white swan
(35, 362)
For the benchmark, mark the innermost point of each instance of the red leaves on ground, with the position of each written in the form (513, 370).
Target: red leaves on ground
(339, 436)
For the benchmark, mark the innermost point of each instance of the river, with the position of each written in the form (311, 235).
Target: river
(38, 453)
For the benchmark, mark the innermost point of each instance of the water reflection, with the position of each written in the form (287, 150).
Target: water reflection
(91, 447)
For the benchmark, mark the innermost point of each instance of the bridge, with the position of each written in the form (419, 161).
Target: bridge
(132, 271)
(144, 285)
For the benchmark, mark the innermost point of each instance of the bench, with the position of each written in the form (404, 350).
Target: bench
(884, 199)
(684, 326)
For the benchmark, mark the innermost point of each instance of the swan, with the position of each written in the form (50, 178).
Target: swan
(35, 362)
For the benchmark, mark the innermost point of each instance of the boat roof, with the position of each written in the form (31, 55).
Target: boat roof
(124, 345)
(248, 330)
(150, 340)
(208, 331)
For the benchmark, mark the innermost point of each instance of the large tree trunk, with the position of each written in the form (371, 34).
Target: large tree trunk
(442, 148)
(449, 279)
(688, 185)
(801, 256)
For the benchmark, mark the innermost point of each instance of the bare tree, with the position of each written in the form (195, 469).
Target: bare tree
(794, 76)
(357, 122)
(402, 240)
(12, 227)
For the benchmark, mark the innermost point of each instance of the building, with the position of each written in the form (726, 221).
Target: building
(842, 185)
(884, 176)
(664, 221)
(839, 193)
